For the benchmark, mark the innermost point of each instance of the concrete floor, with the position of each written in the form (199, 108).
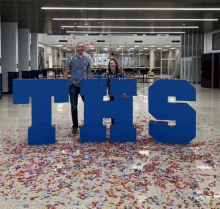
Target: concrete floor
(146, 174)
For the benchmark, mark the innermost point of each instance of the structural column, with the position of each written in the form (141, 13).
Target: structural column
(0, 63)
(152, 59)
(23, 50)
(34, 51)
(9, 45)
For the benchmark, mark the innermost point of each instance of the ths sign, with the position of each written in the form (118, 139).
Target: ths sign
(121, 109)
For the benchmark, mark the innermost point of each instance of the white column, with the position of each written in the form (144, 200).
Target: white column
(139, 59)
(122, 60)
(0, 48)
(169, 61)
(23, 50)
(9, 45)
(60, 57)
(152, 59)
(34, 51)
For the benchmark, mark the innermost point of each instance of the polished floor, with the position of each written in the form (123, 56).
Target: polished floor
(145, 174)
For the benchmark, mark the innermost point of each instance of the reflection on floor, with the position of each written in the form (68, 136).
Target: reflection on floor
(145, 174)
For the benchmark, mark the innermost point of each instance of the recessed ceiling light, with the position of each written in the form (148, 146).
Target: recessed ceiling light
(88, 32)
(145, 48)
(131, 48)
(136, 46)
(116, 19)
(152, 46)
(158, 27)
(134, 9)
(158, 48)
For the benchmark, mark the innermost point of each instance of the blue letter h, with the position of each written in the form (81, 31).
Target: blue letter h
(95, 109)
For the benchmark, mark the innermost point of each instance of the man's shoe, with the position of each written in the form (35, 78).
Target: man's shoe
(74, 131)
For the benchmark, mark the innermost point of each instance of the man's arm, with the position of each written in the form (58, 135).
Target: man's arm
(66, 72)
(89, 71)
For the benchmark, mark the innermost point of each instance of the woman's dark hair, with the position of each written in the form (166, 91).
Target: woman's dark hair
(109, 68)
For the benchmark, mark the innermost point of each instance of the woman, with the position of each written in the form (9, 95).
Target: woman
(113, 73)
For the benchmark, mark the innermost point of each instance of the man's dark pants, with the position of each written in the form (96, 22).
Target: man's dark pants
(74, 91)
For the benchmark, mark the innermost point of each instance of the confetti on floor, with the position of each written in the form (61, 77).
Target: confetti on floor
(140, 175)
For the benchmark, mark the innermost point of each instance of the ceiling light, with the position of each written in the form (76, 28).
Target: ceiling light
(172, 48)
(152, 46)
(88, 32)
(136, 46)
(134, 9)
(131, 48)
(158, 48)
(145, 48)
(107, 19)
(129, 27)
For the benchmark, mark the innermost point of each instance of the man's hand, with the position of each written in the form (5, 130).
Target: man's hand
(90, 76)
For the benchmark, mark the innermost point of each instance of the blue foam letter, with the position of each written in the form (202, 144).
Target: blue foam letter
(95, 109)
(183, 114)
(41, 91)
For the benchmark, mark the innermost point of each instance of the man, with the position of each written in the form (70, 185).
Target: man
(79, 67)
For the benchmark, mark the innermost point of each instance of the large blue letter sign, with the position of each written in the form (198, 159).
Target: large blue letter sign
(41, 91)
(95, 109)
(183, 114)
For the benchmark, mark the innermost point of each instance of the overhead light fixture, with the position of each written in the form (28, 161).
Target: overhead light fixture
(145, 48)
(136, 46)
(158, 48)
(172, 48)
(116, 19)
(131, 48)
(152, 46)
(88, 32)
(133, 9)
(129, 27)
